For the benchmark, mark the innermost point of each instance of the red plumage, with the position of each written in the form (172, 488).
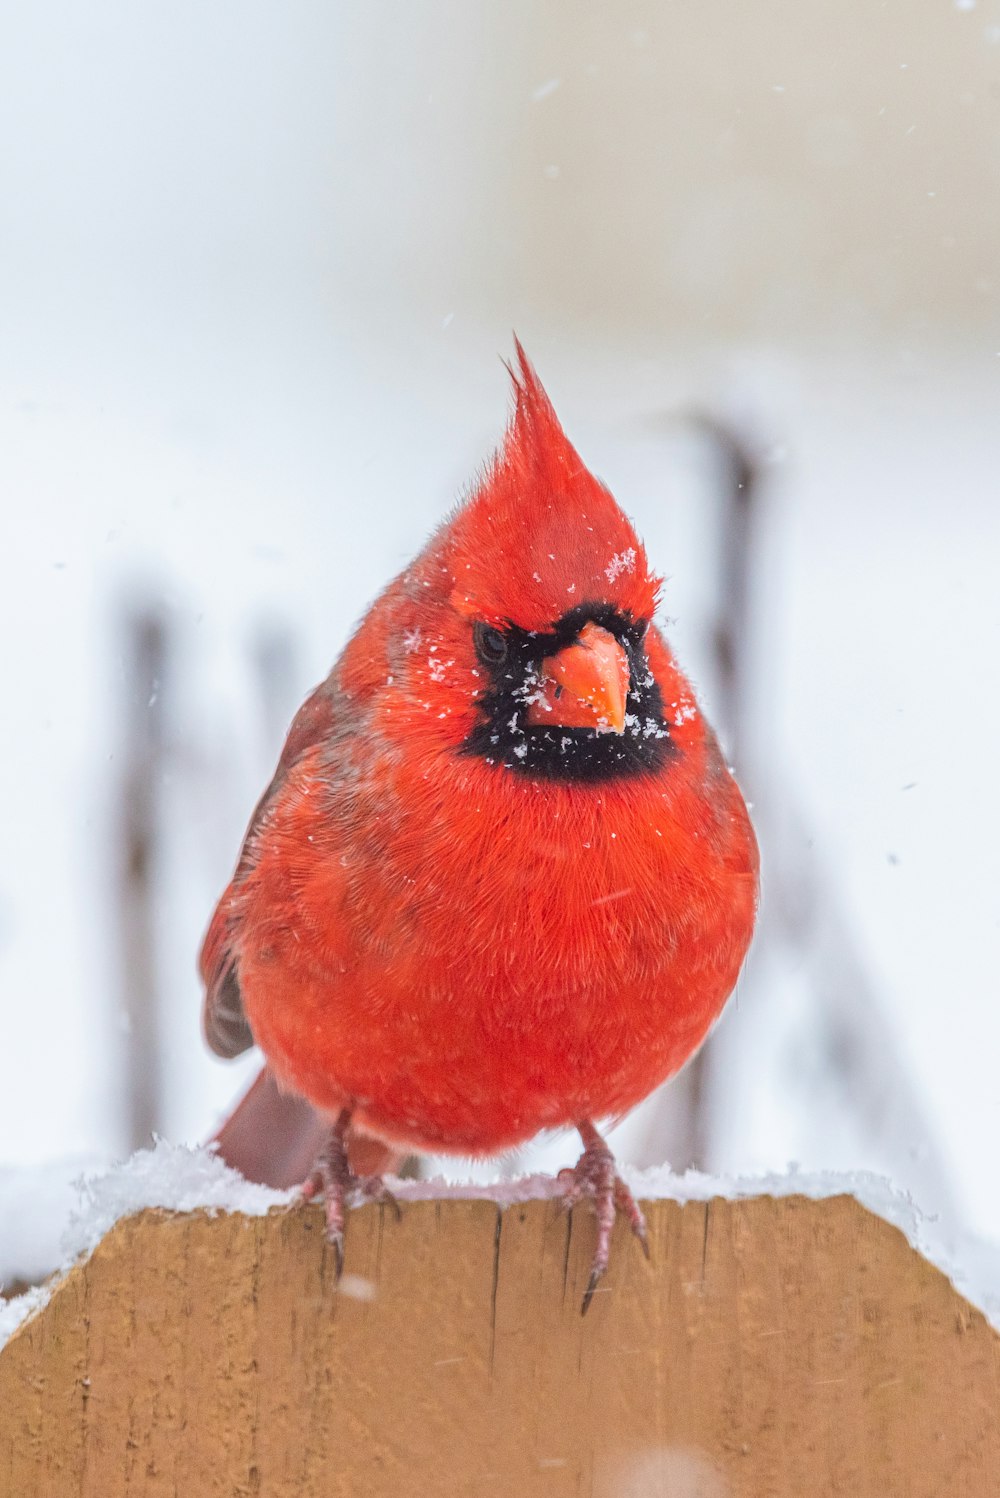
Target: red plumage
(462, 929)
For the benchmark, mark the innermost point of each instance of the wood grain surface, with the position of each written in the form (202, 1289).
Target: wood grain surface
(770, 1347)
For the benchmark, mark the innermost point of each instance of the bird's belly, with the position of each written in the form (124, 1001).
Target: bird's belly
(472, 1032)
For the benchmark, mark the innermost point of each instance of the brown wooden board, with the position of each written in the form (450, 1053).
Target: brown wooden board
(770, 1348)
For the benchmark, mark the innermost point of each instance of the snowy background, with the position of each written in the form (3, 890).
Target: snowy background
(258, 264)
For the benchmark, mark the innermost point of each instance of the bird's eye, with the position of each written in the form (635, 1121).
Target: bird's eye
(491, 644)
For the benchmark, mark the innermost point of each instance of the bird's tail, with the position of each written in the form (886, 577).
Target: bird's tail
(273, 1137)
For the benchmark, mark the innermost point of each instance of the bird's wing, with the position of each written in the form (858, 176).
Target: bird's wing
(223, 1017)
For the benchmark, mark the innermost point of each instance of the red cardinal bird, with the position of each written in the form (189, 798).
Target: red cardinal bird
(502, 880)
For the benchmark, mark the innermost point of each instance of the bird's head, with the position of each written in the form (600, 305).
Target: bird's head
(523, 633)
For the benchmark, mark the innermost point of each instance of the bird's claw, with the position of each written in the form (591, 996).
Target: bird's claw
(588, 1294)
(594, 1176)
(626, 1203)
(333, 1179)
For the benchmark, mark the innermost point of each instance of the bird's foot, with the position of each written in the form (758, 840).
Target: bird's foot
(594, 1175)
(332, 1178)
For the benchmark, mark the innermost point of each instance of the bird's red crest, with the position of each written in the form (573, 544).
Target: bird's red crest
(541, 535)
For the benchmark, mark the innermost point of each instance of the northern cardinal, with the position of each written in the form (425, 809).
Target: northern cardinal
(502, 880)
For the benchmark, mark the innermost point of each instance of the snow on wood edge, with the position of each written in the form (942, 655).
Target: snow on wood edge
(183, 1178)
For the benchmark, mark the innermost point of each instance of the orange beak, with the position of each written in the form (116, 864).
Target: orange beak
(584, 685)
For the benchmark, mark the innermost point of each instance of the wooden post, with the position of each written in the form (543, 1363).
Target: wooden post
(786, 1348)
